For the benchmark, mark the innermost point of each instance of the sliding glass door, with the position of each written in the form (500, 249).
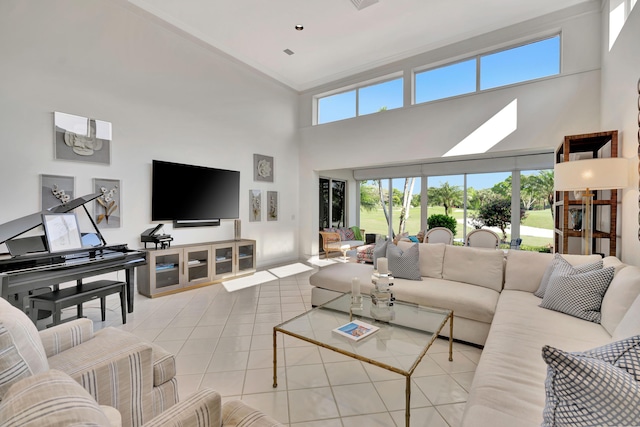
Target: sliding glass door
(332, 206)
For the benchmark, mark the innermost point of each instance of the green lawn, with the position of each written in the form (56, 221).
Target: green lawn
(539, 219)
(374, 222)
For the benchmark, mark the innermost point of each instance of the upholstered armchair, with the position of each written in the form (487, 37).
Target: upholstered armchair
(115, 367)
(439, 235)
(483, 238)
(54, 398)
(68, 374)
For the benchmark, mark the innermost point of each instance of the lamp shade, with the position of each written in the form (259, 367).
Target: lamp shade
(595, 174)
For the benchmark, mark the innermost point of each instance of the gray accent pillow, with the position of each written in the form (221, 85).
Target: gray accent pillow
(404, 264)
(380, 251)
(559, 262)
(579, 295)
(611, 396)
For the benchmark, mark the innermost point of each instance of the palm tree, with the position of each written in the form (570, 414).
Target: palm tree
(446, 195)
(544, 186)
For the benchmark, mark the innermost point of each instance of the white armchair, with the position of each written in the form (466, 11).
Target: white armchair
(483, 239)
(439, 235)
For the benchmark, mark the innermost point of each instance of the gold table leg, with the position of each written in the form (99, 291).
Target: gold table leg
(275, 360)
(407, 409)
(451, 337)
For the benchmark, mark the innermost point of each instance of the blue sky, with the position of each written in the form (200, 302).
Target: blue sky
(527, 62)
(478, 181)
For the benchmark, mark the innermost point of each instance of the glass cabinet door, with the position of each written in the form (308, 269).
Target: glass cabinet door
(246, 257)
(198, 265)
(167, 270)
(223, 260)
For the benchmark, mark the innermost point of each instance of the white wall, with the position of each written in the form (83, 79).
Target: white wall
(547, 110)
(620, 75)
(168, 98)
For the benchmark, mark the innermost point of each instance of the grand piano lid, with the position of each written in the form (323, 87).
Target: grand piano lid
(14, 228)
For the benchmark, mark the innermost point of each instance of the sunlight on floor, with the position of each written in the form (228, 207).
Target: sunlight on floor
(246, 282)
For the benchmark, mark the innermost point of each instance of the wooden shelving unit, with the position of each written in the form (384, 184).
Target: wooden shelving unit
(567, 232)
(180, 268)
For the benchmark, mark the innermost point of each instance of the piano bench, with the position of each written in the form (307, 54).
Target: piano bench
(55, 301)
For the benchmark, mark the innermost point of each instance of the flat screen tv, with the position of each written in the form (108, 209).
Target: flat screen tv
(193, 194)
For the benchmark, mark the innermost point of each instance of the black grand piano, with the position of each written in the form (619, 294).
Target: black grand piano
(31, 266)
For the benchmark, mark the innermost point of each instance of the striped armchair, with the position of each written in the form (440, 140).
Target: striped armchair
(54, 398)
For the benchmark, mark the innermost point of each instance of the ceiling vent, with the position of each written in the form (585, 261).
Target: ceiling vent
(361, 4)
(288, 52)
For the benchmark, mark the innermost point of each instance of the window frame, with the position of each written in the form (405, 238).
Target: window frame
(361, 85)
(478, 56)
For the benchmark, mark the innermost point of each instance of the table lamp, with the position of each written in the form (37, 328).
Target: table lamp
(606, 173)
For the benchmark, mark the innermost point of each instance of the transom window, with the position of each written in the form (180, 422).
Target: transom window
(369, 99)
(515, 65)
(535, 60)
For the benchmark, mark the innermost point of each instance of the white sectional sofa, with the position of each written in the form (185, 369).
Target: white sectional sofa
(491, 293)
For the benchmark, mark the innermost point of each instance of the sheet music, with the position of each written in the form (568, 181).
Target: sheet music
(62, 232)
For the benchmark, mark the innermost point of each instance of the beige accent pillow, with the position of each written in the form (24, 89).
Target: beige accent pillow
(399, 237)
(623, 290)
(430, 258)
(476, 266)
(524, 270)
(630, 323)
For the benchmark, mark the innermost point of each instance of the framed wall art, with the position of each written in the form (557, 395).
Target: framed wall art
(272, 205)
(262, 168)
(56, 190)
(81, 139)
(255, 205)
(108, 206)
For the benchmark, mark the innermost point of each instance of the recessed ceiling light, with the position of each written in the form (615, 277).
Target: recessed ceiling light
(299, 27)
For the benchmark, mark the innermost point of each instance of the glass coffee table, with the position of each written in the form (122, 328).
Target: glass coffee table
(411, 333)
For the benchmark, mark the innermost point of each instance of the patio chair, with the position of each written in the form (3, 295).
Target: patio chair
(483, 239)
(439, 235)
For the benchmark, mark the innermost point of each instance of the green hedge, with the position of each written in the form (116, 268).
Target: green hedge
(438, 220)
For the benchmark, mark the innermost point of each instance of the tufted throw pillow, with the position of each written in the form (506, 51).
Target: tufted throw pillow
(380, 251)
(347, 234)
(404, 264)
(579, 295)
(610, 396)
(559, 262)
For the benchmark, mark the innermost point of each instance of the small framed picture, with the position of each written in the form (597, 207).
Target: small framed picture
(56, 190)
(255, 205)
(262, 168)
(272, 205)
(108, 206)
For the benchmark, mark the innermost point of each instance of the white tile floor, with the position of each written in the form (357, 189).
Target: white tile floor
(223, 340)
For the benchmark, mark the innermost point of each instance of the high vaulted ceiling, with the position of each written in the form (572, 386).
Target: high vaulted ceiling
(338, 40)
